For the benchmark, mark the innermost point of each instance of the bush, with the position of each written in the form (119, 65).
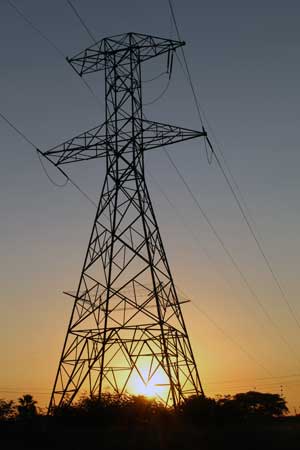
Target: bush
(7, 409)
(199, 409)
(27, 407)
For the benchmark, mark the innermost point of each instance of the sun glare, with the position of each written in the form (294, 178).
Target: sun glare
(155, 387)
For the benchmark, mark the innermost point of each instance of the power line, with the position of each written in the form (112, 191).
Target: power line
(200, 117)
(230, 338)
(48, 176)
(23, 390)
(218, 146)
(257, 379)
(230, 256)
(190, 231)
(155, 78)
(81, 21)
(209, 257)
(260, 380)
(51, 43)
(258, 243)
(68, 178)
(156, 99)
(54, 46)
(238, 202)
(253, 386)
(35, 28)
(163, 92)
(83, 192)
(186, 64)
(22, 134)
(35, 147)
(17, 130)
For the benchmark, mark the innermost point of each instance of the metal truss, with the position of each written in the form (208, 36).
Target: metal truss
(126, 326)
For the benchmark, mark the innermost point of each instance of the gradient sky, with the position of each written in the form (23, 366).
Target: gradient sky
(244, 59)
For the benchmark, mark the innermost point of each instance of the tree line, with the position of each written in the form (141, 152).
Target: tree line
(112, 408)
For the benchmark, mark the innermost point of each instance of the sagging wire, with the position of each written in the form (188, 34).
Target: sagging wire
(231, 186)
(29, 141)
(68, 178)
(170, 62)
(160, 95)
(209, 152)
(155, 78)
(169, 71)
(39, 153)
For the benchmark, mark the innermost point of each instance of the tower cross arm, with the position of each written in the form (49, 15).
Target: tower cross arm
(95, 57)
(88, 145)
(156, 134)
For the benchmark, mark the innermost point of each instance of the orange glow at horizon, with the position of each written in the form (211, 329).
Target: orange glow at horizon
(154, 386)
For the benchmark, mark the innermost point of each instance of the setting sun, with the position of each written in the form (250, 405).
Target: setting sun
(155, 386)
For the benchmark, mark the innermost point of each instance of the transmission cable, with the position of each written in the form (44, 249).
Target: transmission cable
(156, 77)
(242, 206)
(230, 256)
(81, 21)
(68, 178)
(146, 81)
(45, 390)
(195, 237)
(228, 336)
(258, 243)
(30, 142)
(278, 377)
(187, 186)
(186, 64)
(61, 54)
(156, 99)
(238, 202)
(17, 130)
(52, 44)
(22, 134)
(35, 28)
(47, 174)
(219, 147)
(153, 101)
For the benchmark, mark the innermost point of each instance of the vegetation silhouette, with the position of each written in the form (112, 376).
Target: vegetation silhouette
(27, 407)
(7, 409)
(241, 407)
(242, 421)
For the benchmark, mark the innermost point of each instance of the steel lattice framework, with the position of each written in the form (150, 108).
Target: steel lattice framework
(126, 324)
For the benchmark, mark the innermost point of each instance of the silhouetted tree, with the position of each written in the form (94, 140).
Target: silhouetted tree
(113, 409)
(125, 410)
(242, 406)
(7, 409)
(199, 409)
(261, 404)
(26, 407)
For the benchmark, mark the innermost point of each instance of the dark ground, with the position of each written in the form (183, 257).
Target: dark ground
(279, 434)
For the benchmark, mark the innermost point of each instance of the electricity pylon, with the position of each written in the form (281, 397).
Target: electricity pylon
(126, 326)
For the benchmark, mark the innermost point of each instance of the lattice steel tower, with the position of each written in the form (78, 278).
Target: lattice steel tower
(126, 326)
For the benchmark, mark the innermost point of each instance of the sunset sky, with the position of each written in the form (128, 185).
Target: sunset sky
(244, 60)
